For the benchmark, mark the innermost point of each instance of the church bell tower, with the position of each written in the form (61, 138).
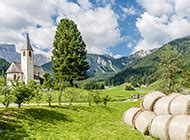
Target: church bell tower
(27, 61)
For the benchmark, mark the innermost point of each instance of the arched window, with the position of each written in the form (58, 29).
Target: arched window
(30, 54)
(24, 54)
(14, 76)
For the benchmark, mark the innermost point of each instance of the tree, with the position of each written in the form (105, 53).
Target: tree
(69, 53)
(22, 93)
(90, 96)
(172, 65)
(47, 81)
(8, 96)
(71, 95)
(49, 99)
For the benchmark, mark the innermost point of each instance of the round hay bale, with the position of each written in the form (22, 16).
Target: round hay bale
(179, 128)
(162, 106)
(143, 121)
(149, 100)
(159, 127)
(130, 114)
(180, 105)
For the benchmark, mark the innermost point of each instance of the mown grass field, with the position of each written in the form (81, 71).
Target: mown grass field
(77, 122)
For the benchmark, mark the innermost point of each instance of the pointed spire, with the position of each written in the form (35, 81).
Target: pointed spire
(27, 46)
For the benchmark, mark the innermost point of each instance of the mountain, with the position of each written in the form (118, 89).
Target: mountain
(145, 70)
(106, 65)
(8, 52)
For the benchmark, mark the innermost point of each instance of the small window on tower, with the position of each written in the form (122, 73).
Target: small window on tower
(30, 54)
(24, 53)
(14, 76)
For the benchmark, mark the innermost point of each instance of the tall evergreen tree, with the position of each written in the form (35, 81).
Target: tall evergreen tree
(172, 66)
(69, 53)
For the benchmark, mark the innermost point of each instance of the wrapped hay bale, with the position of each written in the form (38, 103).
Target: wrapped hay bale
(179, 128)
(130, 114)
(162, 106)
(143, 121)
(149, 100)
(180, 105)
(159, 127)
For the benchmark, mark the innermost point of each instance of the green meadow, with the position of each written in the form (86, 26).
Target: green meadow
(79, 121)
(76, 122)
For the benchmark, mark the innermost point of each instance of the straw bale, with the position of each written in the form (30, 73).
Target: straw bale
(179, 128)
(143, 121)
(180, 105)
(149, 100)
(129, 115)
(159, 127)
(162, 106)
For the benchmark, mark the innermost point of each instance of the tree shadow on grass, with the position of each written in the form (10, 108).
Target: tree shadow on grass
(44, 115)
(14, 123)
(10, 128)
(76, 108)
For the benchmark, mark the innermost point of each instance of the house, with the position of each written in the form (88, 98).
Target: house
(25, 70)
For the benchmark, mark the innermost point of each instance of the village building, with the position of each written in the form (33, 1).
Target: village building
(25, 70)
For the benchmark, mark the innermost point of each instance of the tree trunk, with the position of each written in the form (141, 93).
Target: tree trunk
(19, 105)
(71, 82)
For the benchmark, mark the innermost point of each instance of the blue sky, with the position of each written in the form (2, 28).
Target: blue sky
(115, 27)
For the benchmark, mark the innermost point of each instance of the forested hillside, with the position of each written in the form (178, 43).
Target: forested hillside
(146, 70)
(3, 66)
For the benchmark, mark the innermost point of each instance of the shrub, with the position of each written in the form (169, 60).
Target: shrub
(90, 98)
(89, 85)
(96, 98)
(106, 99)
(129, 86)
(38, 97)
(8, 96)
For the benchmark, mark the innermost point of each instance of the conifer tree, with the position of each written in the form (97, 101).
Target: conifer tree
(69, 53)
(172, 65)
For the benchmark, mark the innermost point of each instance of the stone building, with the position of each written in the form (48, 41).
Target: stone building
(26, 70)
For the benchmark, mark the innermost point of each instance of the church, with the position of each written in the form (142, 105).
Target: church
(25, 70)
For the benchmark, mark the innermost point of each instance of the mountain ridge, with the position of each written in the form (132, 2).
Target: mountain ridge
(145, 70)
(9, 53)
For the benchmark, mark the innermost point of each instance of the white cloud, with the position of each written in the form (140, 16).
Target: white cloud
(158, 7)
(162, 23)
(117, 56)
(129, 10)
(85, 4)
(99, 26)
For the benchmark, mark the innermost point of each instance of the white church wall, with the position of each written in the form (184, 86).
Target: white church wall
(27, 65)
(12, 76)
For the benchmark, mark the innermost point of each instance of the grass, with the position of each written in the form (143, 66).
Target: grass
(78, 122)
(116, 93)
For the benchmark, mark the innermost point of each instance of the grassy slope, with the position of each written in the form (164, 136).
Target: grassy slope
(116, 93)
(79, 122)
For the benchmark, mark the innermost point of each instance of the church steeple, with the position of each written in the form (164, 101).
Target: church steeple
(27, 61)
(28, 46)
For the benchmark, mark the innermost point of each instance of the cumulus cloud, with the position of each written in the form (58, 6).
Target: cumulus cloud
(129, 10)
(162, 22)
(99, 26)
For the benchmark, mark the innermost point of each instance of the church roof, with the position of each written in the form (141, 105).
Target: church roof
(14, 68)
(27, 46)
